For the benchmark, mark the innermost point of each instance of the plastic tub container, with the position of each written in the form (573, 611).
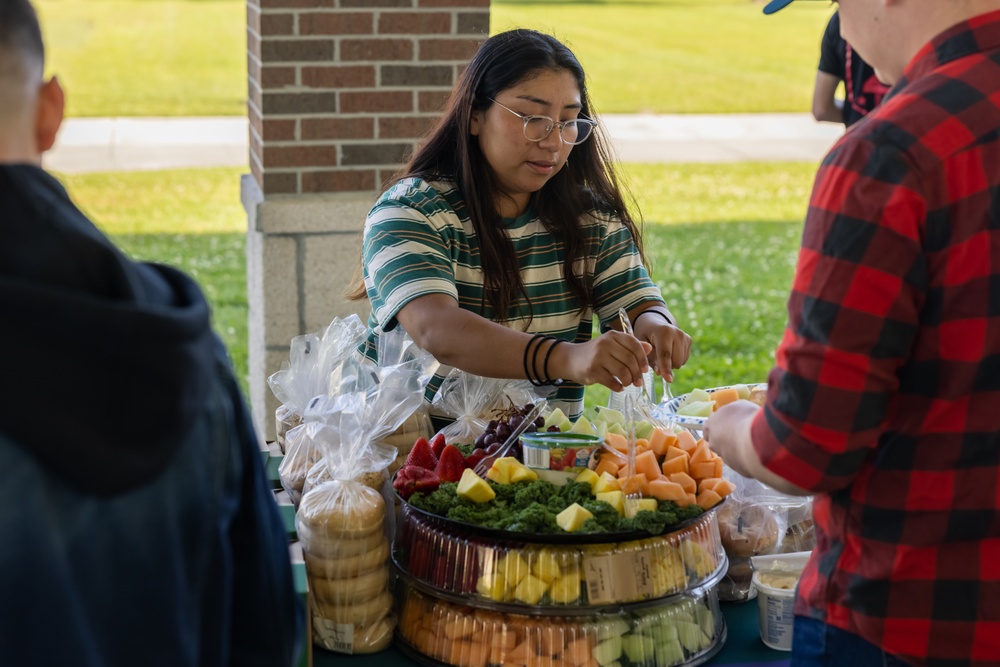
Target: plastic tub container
(775, 578)
(492, 569)
(558, 457)
(436, 629)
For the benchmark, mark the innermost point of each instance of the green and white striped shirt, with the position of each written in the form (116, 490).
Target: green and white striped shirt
(419, 240)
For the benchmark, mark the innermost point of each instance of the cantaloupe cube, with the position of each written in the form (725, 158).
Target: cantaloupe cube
(578, 652)
(607, 464)
(470, 653)
(663, 489)
(708, 483)
(685, 480)
(702, 469)
(548, 642)
(641, 445)
(724, 487)
(724, 397)
(708, 499)
(538, 660)
(676, 451)
(645, 463)
(616, 441)
(424, 641)
(659, 440)
(519, 654)
(691, 500)
(636, 484)
(717, 460)
(686, 441)
(676, 464)
(701, 453)
(458, 627)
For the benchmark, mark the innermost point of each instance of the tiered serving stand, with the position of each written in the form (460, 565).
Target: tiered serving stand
(470, 597)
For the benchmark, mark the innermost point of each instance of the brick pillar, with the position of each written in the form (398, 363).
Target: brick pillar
(340, 91)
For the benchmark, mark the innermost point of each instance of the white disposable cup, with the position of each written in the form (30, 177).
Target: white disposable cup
(774, 614)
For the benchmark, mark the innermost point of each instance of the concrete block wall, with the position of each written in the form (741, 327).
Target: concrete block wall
(340, 92)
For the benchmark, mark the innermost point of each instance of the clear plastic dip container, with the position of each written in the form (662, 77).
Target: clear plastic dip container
(558, 457)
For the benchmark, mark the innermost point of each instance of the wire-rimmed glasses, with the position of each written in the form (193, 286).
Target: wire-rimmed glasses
(536, 128)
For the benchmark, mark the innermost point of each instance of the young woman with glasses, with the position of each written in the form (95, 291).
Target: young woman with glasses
(508, 230)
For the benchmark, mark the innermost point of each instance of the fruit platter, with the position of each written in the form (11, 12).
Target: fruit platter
(673, 479)
(692, 410)
(591, 543)
(502, 573)
(685, 629)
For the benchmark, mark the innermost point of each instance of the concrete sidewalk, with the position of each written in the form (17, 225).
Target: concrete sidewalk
(120, 144)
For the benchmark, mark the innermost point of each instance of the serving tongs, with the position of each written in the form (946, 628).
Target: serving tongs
(486, 463)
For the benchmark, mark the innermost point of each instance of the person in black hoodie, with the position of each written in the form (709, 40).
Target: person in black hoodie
(136, 524)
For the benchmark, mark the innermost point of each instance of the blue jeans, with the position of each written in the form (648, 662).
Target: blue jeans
(816, 644)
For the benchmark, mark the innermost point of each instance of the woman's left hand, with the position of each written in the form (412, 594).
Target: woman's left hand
(671, 346)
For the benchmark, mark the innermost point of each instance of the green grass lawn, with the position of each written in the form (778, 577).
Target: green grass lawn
(148, 57)
(720, 240)
(188, 57)
(683, 56)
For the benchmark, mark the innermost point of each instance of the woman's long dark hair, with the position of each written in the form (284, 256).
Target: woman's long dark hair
(587, 182)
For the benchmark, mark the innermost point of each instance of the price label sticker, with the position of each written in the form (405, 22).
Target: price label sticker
(334, 636)
(618, 577)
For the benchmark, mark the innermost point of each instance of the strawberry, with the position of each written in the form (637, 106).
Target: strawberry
(437, 444)
(473, 459)
(451, 464)
(422, 455)
(411, 479)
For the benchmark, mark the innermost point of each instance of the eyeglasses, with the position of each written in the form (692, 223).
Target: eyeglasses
(536, 128)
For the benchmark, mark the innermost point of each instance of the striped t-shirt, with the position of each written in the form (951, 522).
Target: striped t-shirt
(419, 240)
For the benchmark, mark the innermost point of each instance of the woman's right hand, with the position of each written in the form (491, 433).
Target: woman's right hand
(614, 359)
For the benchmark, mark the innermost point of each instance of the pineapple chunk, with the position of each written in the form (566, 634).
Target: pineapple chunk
(530, 590)
(696, 558)
(606, 482)
(614, 498)
(648, 505)
(500, 470)
(474, 488)
(635, 505)
(587, 476)
(513, 568)
(492, 585)
(571, 518)
(565, 590)
(547, 565)
(522, 473)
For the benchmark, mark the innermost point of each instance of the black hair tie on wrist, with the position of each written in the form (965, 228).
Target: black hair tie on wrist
(542, 380)
(545, 362)
(654, 312)
(535, 381)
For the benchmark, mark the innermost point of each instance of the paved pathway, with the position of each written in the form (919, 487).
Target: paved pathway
(113, 144)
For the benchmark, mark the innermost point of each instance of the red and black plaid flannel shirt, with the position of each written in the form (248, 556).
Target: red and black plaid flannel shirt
(885, 398)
